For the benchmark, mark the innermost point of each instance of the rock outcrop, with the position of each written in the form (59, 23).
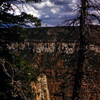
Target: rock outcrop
(41, 88)
(60, 78)
(51, 47)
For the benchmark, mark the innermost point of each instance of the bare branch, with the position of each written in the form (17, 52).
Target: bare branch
(3, 64)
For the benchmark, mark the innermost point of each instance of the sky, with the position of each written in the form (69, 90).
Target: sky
(52, 12)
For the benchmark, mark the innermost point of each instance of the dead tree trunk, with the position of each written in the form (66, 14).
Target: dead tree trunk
(82, 50)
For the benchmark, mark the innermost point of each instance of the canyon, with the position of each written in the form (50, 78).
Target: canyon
(57, 60)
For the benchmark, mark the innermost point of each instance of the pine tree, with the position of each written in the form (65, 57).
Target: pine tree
(15, 74)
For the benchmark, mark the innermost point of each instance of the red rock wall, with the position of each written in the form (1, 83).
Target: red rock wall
(60, 81)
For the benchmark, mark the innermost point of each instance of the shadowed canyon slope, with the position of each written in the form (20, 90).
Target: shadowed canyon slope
(54, 52)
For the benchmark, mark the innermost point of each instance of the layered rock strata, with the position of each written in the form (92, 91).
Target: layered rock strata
(67, 48)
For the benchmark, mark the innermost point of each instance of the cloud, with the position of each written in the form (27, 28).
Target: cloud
(43, 5)
(55, 10)
(25, 8)
(52, 12)
(32, 11)
(94, 12)
(46, 16)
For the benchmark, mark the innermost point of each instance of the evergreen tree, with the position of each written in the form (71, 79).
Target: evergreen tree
(15, 74)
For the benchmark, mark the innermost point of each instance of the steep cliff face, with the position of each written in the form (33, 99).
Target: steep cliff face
(60, 76)
(41, 88)
(52, 47)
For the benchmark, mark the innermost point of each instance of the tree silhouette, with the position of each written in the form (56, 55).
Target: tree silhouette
(84, 19)
(15, 75)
